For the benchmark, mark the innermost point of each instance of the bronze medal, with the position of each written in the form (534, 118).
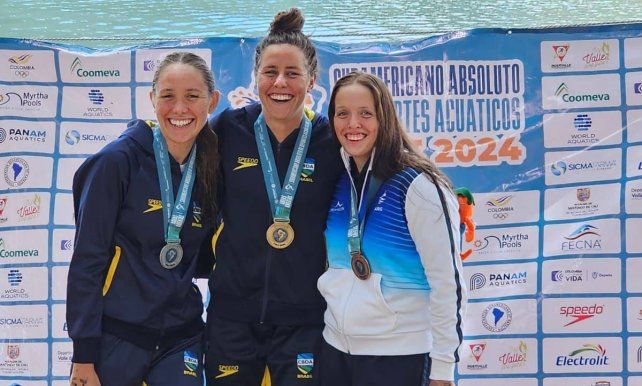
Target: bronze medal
(280, 234)
(360, 266)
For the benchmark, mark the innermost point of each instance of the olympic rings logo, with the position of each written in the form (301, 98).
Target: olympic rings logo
(500, 216)
(21, 73)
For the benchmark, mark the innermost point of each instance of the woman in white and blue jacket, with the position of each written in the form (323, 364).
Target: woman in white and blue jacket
(394, 287)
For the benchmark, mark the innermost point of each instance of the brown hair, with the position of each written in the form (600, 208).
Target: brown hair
(207, 157)
(286, 28)
(394, 151)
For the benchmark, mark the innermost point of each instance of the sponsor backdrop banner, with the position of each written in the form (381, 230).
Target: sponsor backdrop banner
(544, 126)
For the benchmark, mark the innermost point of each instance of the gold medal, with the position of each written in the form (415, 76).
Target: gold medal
(360, 266)
(280, 234)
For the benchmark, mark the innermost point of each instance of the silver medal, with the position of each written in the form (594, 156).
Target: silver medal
(171, 255)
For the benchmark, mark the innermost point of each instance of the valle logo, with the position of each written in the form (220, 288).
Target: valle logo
(587, 355)
(598, 56)
(584, 237)
(80, 71)
(564, 93)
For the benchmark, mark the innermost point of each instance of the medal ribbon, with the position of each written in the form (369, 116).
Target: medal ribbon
(174, 211)
(358, 213)
(281, 199)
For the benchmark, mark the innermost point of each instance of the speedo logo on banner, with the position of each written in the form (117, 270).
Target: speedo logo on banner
(579, 315)
(113, 67)
(581, 91)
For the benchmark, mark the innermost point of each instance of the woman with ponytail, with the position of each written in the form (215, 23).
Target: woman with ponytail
(144, 209)
(279, 163)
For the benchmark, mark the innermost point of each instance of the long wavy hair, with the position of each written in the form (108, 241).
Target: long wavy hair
(207, 157)
(394, 151)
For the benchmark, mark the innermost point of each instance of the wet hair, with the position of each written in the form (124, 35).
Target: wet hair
(286, 28)
(207, 156)
(394, 151)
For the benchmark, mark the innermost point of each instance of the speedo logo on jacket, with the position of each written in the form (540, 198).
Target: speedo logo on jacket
(243, 162)
(154, 205)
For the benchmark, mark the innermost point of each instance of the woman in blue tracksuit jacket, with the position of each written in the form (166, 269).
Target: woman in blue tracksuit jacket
(133, 313)
(394, 289)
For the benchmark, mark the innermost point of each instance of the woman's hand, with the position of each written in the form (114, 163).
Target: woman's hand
(83, 374)
(441, 383)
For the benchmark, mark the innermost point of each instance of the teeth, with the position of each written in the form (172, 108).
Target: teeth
(180, 122)
(355, 137)
(281, 97)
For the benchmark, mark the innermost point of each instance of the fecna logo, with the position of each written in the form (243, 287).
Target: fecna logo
(190, 360)
(585, 237)
(582, 122)
(497, 317)
(477, 281)
(515, 357)
(580, 313)
(637, 88)
(14, 277)
(72, 137)
(96, 96)
(77, 68)
(477, 350)
(66, 245)
(304, 363)
(580, 357)
(563, 92)
(16, 171)
(558, 168)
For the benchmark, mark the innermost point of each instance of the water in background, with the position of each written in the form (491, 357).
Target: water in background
(122, 22)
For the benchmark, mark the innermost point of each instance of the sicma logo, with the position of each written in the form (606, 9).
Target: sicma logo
(580, 313)
(588, 355)
(560, 167)
(585, 237)
(563, 92)
(78, 69)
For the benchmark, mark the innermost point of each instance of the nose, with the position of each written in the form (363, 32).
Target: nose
(180, 106)
(280, 80)
(354, 121)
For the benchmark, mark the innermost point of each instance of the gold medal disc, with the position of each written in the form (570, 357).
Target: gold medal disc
(280, 235)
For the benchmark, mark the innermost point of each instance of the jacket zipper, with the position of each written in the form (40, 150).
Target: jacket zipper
(268, 259)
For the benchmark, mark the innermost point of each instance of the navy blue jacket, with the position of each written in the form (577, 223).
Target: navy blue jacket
(116, 283)
(252, 281)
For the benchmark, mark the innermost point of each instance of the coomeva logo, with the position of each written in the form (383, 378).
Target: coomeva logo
(565, 94)
(80, 71)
